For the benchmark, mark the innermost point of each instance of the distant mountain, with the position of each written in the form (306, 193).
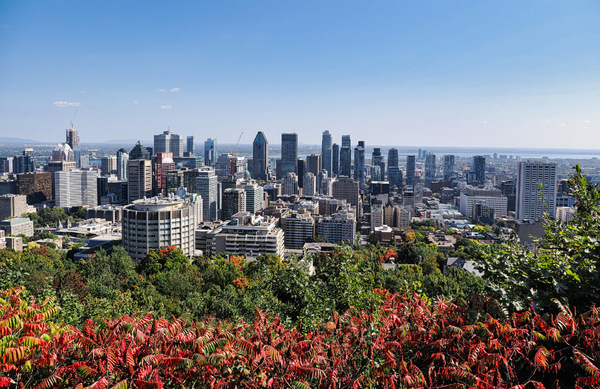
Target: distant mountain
(7, 139)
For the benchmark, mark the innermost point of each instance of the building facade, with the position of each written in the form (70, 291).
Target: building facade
(76, 188)
(155, 223)
(536, 189)
(327, 152)
(139, 179)
(289, 153)
(207, 188)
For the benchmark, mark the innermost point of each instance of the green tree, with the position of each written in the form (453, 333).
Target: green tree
(564, 266)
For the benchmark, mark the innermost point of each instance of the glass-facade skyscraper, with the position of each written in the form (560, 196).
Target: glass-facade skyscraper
(260, 157)
(326, 152)
(289, 153)
(346, 157)
(410, 169)
(210, 151)
(359, 161)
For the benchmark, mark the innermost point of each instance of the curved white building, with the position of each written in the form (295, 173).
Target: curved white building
(158, 222)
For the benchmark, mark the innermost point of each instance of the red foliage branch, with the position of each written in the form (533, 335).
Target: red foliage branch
(407, 342)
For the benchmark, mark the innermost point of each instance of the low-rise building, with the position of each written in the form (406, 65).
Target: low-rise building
(17, 226)
(245, 234)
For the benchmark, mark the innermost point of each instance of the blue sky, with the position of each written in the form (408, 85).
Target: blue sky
(415, 73)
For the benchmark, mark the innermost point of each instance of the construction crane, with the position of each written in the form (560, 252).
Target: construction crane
(233, 159)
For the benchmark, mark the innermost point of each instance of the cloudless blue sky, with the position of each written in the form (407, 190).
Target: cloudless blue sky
(423, 73)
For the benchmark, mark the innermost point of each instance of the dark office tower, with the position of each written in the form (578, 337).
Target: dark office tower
(335, 163)
(429, 169)
(24, 163)
(395, 177)
(346, 142)
(122, 159)
(314, 164)
(359, 161)
(392, 158)
(479, 169)
(210, 151)
(278, 174)
(190, 145)
(377, 160)
(509, 191)
(289, 153)
(410, 170)
(301, 168)
(448, 167)
(326, 152)
(346, 157)
(260, 157)
(139, 152)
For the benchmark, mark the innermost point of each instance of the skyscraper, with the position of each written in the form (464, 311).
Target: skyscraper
(392, 158)
(326, 152)
(72, 138)
(346, 142)
(359, 161)
(122, 159)
(377, 160)
(139, 177)
(429, 169)
(289, 184)
(346, 157)
(210, 152)
(139, 152)
(289, 153)
(335, 163)
(168, 142)
(234, 201)
(394, 172)
(24, 163)
(533, 200)
(410, 169)
(314, 164)
(162, 164)
(260, 157)
(76, 188)
(190, 145)
(479, 170)
(448, 167)
(206, 185)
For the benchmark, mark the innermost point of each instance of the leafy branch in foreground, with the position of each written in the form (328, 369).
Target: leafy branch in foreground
(564, 266)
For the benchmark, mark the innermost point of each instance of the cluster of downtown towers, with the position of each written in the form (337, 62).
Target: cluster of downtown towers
(334, 160)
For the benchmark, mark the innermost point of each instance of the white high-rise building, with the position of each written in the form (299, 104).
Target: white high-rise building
(154, 223)
(534, 200)
(76, 188)
(254, 197)
(207, 187)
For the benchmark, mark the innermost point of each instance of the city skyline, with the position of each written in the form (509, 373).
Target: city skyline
(431, 74)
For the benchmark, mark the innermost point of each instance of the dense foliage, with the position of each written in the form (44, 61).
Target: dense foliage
(564, 267)
(401, 342)
(166, 283)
